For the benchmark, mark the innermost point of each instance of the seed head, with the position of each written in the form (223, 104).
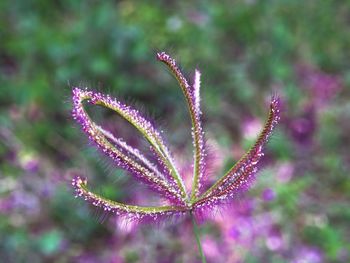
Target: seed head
(161, 175)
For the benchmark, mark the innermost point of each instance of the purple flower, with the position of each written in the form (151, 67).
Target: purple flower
(251, 127)
(308, 254)
(274, 240)
(322, 86)
(268, 194)
(234, 232)
(303, 127)
(285, 172)
(162, 175)
(31, 166)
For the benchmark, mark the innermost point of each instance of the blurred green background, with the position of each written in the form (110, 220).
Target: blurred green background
(246, 51)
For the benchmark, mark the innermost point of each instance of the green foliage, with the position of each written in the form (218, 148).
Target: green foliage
(245, 50)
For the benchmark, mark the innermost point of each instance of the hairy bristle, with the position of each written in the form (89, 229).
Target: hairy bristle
(131, 212)
(240, 175)
(160, 173)
(98, 136)
(192, 98)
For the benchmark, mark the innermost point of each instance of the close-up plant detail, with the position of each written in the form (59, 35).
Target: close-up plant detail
(161, 173)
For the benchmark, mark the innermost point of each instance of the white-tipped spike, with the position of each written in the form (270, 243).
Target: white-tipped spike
(196, 89)
(134, 152)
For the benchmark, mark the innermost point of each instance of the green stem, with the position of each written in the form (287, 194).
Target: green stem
(196, 234)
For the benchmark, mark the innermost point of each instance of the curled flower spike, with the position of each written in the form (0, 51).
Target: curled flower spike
(130, 211)
(162, 175)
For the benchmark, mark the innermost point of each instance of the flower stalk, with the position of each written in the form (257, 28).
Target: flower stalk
(161, 174)
(198, 240)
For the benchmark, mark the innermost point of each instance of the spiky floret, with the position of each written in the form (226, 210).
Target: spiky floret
(132, 152)
(240, 175)
(163, 177)
(132, 212)
(192, 98)
(125, 161)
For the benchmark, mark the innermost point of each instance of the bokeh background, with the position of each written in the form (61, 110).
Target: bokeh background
(297, 211)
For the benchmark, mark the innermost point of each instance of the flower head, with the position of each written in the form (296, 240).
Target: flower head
(162, 175)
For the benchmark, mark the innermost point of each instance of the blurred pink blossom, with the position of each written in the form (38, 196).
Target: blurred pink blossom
(321, 85)
(251, 128)
(268, 195)
(285, 172)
